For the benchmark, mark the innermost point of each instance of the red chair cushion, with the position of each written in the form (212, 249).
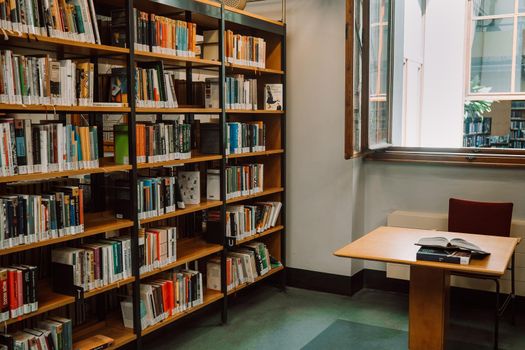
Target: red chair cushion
(479, 217)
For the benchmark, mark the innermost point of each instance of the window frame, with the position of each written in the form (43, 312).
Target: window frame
(487, 157)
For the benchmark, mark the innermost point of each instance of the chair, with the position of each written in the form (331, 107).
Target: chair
(485, 219)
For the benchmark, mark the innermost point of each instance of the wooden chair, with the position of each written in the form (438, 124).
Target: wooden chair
(485, 219)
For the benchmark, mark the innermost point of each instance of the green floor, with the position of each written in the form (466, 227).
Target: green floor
(266, 318)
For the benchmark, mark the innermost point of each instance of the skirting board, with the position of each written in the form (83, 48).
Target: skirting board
(373, 279)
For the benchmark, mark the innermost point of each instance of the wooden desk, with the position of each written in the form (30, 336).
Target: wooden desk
(429, 281)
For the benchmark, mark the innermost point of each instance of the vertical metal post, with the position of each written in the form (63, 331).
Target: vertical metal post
(283, 160)
(222, 145)
(133, 172)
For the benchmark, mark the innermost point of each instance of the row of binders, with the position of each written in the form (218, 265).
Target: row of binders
(240, 93)
(163, 141)
(173, 292)
(245, 50)
(157, 247)
(53, 333)
(243, 265)
(244, 180)
(245, 137)
(157, 196)
(155, 86)
(98, 263)
(42, 80)
(26, 218)
(243, 221)
(18, 286)
(48, 147)
(72, 20)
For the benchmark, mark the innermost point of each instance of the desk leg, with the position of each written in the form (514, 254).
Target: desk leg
(428, 308)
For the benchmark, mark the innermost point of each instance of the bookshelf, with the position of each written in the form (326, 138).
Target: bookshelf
(100, 220)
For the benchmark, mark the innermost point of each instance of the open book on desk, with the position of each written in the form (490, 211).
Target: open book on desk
(453, 244)
(440, 249)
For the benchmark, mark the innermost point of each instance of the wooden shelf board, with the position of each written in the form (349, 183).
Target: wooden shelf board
(260, 194)
(53, 108)
(254, 69)
(181, 110)
(47, 301)
(188, 250)
(256, 154)
(106, 166)
(249, 111)
(93, 226)
(190, 208)
(260, 278)
(46, 43)
(242, 12)
(259, 235)
(112, 327)
(109, 287)
(180, 59)
(210, 296)
(196, 158)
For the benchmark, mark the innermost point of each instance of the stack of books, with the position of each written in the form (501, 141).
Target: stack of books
(157, 247)
(440, 249)
(50, 334)
(18, 286)
(244, 180)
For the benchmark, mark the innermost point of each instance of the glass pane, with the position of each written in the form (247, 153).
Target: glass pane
(494, 124)
(491, 61)
(357, 74)
(521, 6)
(520, 56)
(378, 123)
(493, 7)
(379, 116)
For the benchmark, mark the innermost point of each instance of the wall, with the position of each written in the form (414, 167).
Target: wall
(427, 188)
(319, 180)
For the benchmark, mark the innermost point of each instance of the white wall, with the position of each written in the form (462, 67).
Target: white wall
(443, 74)
(319, 180)
(427, 188)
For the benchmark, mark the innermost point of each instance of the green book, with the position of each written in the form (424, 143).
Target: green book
(121, 139)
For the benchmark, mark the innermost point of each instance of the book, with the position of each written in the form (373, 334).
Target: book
(245, 137)
(164, 141)
(96, 342)
(453, 244)
(443, 255)
(244, 50)
(273, 97)
(156, 196)
(189, 184)
(244, 180)
(241, 93)
(172, 292)
(158, 246)
(155, 86)
(72, 20)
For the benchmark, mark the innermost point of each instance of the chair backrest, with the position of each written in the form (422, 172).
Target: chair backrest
(479, 217)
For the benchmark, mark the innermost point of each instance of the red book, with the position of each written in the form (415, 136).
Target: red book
(171, 296)
(4, 301)
(20, 290)
(13, 295)
(165, 297)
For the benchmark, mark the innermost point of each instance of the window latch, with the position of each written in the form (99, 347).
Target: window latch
(470, 157)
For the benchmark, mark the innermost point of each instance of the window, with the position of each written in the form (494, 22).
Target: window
(445, 80)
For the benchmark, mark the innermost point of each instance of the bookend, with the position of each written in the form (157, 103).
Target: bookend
(62, 282)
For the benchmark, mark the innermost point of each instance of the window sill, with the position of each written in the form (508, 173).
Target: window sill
(493, 158)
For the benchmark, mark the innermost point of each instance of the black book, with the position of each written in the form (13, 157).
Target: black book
(453, 244)
(444, 255)
(36, 145)
(7, 340)
(21, 153)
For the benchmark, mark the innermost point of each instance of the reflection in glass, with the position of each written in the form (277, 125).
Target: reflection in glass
(378, 128)
(520, 58)
(493, 7)
(491, 59)
(358, 35)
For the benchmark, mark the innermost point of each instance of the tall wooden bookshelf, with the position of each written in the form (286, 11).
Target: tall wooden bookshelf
(207, 15)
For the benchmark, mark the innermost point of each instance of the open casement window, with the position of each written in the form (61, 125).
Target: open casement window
(446, 94)
(368, 125)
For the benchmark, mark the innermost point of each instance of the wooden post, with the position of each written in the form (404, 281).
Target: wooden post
(428, 308)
